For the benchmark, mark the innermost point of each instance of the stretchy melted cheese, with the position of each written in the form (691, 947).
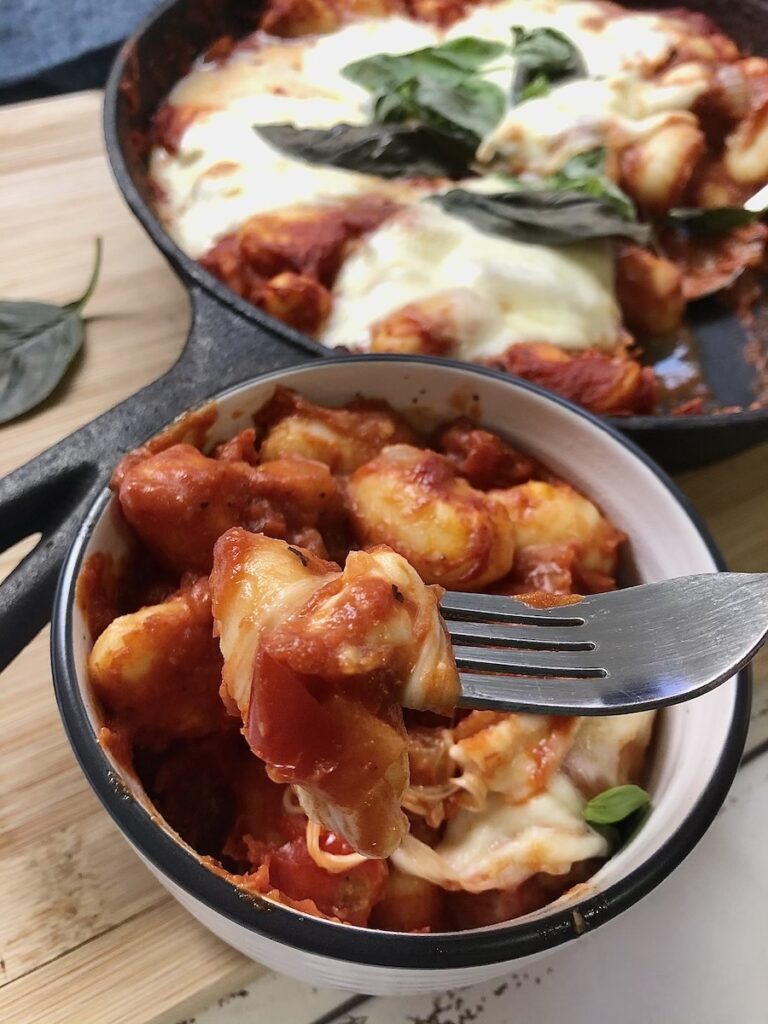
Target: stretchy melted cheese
(504, 844)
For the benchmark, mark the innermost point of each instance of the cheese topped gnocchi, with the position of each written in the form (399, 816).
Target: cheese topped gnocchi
(538, 185)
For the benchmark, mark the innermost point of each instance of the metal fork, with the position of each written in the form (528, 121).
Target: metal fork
(608, 654)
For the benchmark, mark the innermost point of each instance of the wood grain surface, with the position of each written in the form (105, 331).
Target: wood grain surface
(86, 934)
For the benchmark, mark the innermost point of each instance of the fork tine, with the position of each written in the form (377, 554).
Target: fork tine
(658, 643)
(549, 696)
(562, 664)
(502, 608)
(497, 635)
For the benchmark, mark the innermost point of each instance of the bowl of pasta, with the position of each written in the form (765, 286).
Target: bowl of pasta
(253, 672)
(553, 188)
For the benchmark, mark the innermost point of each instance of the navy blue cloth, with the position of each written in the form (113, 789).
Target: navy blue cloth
(52, 40)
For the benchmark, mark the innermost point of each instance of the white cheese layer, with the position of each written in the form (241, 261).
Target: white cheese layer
(224, 172)
(497, 292)
(613, 105)
(504, 844)
(540, 135)
(609, 43)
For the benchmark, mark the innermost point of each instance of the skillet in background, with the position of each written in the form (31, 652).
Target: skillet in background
(159, 54)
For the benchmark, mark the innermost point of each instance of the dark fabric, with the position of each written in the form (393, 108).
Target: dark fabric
(53, 46)
(87, 72)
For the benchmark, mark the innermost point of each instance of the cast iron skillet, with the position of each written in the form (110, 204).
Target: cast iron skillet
(159, 53)
(230, 340)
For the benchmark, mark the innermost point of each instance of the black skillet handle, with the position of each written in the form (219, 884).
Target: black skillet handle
(50, 494)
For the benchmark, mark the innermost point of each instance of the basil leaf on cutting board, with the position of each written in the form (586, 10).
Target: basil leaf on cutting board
(716, 220)
(390, 151)
(615, 805)
(543, 57)
(541, 217)
(38, 341)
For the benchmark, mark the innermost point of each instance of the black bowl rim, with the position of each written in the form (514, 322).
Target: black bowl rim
(312, 935)
(190, 271)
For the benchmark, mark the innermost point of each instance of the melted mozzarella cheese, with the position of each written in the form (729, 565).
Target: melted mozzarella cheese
(609, 43)
(504, 844)
(607, 752)
(224, 172)
(498, 292)
(540, 135)
(613, 105)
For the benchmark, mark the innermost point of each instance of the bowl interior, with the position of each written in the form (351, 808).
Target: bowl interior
(695, 752)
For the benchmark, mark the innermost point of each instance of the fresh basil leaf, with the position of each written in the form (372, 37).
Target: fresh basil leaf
(614, 805)
(436, 86)
(543, 53)
(38, 341)
(469, 52)
(541, 217)
(538, 86)
(379, 73)
(449, 63)
(612, 836)
(390, 151)
(716, 220)
(469, 110)
(585, 173)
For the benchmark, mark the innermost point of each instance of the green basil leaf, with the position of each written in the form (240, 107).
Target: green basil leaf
(449, 63)
(585, 173)
(468, 110)
(614, 805)
(390, 151)
(379, 73)
(541, 217)
(612, 836)
(538, 86)
(543, 52)
(436, 86)
(469, 52)
(38, 342)
(716, 220)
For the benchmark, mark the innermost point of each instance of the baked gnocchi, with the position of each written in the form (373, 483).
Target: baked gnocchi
(324, 170)
(270, 661)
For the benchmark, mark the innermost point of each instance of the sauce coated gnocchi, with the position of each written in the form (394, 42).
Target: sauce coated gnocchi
(271, 663)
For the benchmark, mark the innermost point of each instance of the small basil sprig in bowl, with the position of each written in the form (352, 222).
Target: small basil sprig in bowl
(618, 813)
(38, 341)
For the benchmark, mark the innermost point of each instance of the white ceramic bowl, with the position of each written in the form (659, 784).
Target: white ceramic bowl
(697, 749)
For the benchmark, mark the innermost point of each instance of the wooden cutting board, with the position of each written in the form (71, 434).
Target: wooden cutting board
(86, 934)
